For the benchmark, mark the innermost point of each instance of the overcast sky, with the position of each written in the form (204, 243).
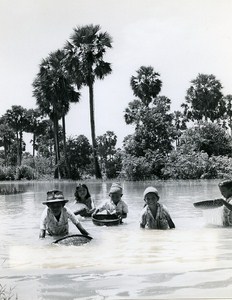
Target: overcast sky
(178, 38)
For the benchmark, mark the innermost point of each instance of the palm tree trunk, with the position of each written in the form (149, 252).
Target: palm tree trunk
(18, 149)
(57, 149)
(65, 149)
(230, 125)
(5, 152)
(33, 145)
(92, 123)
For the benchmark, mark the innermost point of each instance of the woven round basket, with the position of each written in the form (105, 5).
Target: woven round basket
(73, 240)
(107, 220)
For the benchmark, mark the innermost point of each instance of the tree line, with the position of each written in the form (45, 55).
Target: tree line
(161, 147)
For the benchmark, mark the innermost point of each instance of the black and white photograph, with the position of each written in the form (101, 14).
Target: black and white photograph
(115, 149)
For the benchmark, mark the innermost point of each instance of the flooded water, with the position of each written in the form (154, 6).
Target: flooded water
(192, 261)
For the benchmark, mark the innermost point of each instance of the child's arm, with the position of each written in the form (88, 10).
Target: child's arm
(93, 208)
(123, 211)
(168, 217)
(142, 219)
(81, 229)
(91, 203)
(100, 208)
(95, 211)
(72, 217)
(170, 222)
(123, 215)
(42, 233)
(227, 204)
(43, 221)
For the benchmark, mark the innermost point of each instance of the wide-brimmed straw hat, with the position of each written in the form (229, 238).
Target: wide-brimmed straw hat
(55, 196)
(150, 189)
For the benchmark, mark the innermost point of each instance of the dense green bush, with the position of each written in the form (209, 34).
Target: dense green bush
(185, 166)
(219, 167)
(7, 173)
(43, 166)
(196, 165)
(24, 172)
(136, 168)
(10, 173)
(207, 137)
(2, 174)
(80, 159)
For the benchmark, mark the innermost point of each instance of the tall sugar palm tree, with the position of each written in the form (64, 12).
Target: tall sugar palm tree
(54, 92)
(85, 49)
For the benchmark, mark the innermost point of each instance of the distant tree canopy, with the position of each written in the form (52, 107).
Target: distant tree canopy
(210, 138)
(79, 152)
(228, 113)
(154, 129)
(161, 145)
(110, 157)
(106, 145)
(204, 99)
(16, 118)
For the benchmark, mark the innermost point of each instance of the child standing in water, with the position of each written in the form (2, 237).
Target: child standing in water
(115, 204)
(83, 205)
(54, 219)
(226, 191)
(154, 215)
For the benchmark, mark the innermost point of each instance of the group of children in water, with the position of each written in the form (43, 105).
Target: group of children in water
(154, 215)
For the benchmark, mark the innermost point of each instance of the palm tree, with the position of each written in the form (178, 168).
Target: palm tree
(35, 118)
(54, 92)
(85, 50)
(146, 85)
(7, 136)
(204, 98)
(17, 120)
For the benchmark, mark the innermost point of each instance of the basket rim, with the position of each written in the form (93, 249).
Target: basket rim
(105, 220)
(72, 235)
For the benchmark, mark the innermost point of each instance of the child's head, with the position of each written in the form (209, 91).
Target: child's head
(82, 192)
(115, 192)
(226, 188)
(55, 201)
(151, 196)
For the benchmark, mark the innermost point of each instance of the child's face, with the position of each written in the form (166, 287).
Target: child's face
(56, 208)
(115, 197)
(82, 192)
(226, 191)
(151, 199)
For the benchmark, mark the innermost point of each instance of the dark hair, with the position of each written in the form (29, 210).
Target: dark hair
(76, 192)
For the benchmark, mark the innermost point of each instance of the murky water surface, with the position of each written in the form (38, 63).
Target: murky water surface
(121, 262)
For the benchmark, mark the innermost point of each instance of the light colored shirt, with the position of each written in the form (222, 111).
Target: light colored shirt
(159, 221)
(49, 222)
(109, 205)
